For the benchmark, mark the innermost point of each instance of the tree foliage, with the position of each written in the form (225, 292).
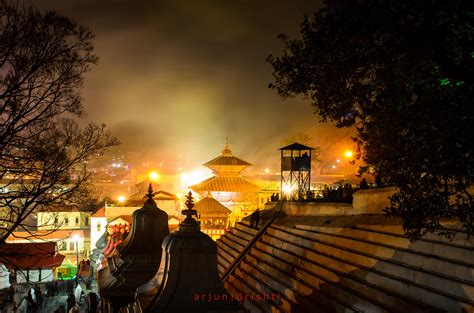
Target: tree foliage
(401, 73)
(43, 57)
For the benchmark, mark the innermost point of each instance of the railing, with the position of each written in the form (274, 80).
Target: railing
(253, 241)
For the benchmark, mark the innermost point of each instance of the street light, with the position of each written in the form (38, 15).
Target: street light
(348, 154)
(76, 238)
(121, 199)
(154, 176)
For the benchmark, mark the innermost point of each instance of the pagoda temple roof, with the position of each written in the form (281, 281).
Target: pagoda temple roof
(225, 183)
(227, 160)
(227, 163)
(210, 205)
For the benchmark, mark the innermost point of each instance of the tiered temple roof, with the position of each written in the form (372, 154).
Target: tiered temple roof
(227, 169)
(211, 207)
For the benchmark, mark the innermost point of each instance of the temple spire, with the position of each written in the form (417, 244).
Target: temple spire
(227, 151)
(189, 223)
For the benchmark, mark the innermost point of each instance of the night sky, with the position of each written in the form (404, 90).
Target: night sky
(178, 77)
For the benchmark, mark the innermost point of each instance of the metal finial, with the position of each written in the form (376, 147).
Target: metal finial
(189, 201)
(150, 192)
(189, 212)
(149, 202)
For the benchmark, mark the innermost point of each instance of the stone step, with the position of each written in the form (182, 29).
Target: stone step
(220, 268)
(228, 247)
(242, 234)
(235, 286)
(221, 259)
(267, 285)
(321, 276)
(363, 266)
(438, 252)
(390, 260)
(320, 301)
(246, 228)
(249, 286)
(238, 239)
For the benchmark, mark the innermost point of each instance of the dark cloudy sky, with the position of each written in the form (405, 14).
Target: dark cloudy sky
(178, 77)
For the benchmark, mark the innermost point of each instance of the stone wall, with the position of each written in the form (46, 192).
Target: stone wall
(369, 201)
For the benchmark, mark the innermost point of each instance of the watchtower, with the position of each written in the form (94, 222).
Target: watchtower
(296, 171)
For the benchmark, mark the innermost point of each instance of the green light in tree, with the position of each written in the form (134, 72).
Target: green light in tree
(444, 82)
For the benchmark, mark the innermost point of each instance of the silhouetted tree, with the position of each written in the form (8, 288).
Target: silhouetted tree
(43, 57)
(401, 72)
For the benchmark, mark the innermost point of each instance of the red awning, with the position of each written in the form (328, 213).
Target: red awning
(30, 255)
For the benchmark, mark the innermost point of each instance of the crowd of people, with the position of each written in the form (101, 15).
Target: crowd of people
(33, 299)
(340, 193)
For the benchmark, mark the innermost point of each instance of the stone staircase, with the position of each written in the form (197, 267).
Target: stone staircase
(347, 264)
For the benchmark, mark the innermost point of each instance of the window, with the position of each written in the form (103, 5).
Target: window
(62, 245)
(71, 245)
(98, 227)
(87, 221)
(66, 221)
(77, 220)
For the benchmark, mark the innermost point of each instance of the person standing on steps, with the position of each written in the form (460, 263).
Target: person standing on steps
(255, 218)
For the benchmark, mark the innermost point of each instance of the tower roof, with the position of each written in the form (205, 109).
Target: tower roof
(296, 146)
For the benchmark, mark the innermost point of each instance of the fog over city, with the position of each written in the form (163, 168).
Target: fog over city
(179, 77)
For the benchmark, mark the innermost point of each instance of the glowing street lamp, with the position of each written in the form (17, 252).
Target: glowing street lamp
(287, 189)
(348, 154)
(121, 199)
(154, 176)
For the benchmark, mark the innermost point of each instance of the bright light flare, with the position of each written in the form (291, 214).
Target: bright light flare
(121, 199)
(154, 176)
(348, 154)
(267, 171)
(191, 178)
(287, 188)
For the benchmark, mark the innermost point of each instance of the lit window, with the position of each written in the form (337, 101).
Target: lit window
(77, 220)
(71, 245)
